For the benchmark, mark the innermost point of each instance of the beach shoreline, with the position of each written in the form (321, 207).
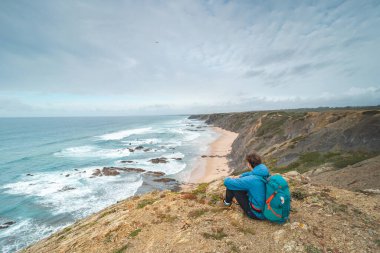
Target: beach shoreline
(214, 163)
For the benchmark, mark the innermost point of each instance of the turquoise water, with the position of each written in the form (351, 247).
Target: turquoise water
(46, 166)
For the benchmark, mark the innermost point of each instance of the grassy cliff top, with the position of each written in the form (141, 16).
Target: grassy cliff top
(323, 219)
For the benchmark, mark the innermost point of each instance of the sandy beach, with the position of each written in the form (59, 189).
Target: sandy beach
(214, 164)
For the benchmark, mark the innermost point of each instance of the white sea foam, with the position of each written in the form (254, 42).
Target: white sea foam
(172, 143)
(125, 133)
(169, 168)
(174, 155)
(78, 193)
(30, 230)
(150, 141)
(92, 151)
(190, 136)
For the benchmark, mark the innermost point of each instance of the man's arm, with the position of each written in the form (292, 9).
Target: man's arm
(237, 184)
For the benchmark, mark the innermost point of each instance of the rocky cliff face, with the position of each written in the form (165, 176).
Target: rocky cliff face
(301, 140)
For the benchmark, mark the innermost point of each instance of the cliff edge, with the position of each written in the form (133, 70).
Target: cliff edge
(323, 219)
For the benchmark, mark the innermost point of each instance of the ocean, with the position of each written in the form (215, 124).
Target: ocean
(47, 167)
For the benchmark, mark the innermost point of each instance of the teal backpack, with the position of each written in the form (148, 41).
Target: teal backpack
(277, 204)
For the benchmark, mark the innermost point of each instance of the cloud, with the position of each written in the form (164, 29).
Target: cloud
(181, 52)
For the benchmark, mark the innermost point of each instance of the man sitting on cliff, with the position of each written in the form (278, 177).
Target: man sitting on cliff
(249, 188)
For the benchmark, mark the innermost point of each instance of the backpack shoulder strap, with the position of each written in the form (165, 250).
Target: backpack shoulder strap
(264, 179)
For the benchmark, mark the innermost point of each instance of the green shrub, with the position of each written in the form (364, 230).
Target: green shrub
(106, 213)
(144, 202)
(219, 235)
(351, 158)
(134, 233)
(272, 124)
(122, 249)
(201, 188)
(312, 249)
(306, 161)
(215, 198)
(299, 194)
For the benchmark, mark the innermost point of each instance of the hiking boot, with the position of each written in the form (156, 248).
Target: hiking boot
(226, 203)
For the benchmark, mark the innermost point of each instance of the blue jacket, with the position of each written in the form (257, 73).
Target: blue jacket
(252, 183)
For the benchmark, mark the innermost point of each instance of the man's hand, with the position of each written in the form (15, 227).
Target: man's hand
(234, 176)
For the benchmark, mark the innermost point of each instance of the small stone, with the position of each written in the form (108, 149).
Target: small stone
(294, 225)
(290, 246)
(371, 191)
(292, 173)
(278, 235)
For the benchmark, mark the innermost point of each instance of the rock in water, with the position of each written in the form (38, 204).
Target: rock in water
(164, 180)
(67, 188)
(97, 172)
(129, 161)
(159, 160)
(155, 173)
(139, 170)
(108, 171)
(7, 224)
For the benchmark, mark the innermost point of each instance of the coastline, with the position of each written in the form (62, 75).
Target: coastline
(214, 164)
(194, 221)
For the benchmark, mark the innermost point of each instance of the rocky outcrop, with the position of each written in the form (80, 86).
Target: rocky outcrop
(106, 171)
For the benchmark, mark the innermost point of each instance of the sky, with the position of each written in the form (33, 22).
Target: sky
(109, 58)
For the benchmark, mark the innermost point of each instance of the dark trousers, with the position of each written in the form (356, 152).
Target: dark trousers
(242, 198)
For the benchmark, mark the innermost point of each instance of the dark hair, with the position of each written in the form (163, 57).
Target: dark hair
(253, 159)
